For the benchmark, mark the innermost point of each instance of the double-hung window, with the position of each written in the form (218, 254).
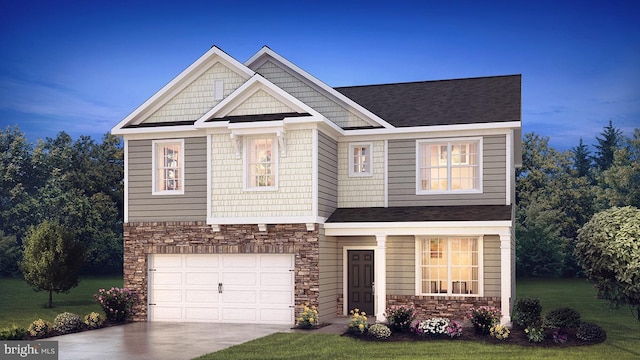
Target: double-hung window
(261, 161)
(360, 159)
(168, 167)
(448, 166)
(448, 265)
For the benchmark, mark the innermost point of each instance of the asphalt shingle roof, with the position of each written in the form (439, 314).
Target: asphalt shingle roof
(442, 102)
(422, 213)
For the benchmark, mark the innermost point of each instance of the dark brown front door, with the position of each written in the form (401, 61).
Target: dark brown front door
(360, 277)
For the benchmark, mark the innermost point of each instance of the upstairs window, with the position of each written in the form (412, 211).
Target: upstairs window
(168, 164)
(261, 163)
(360, 159)
(448, 166)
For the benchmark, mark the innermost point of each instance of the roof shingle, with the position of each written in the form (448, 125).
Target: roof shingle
(422, 213)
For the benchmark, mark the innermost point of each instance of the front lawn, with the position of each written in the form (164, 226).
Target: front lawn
(20, 305)
(623, 336)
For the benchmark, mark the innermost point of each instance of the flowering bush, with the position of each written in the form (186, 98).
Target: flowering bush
(534, 333)
(379, 331)
(432, 327)
(94, 320)
(483, 318)
(499, 332)
(40, 328)
(358, 322)
(454, 329)
(67, 322)
(116, 302)
(560, 336)
(400, 317)
(308, 317)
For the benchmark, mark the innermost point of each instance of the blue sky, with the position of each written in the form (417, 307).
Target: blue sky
(82, 66)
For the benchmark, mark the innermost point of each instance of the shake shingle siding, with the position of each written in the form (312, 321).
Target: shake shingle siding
(402, 176)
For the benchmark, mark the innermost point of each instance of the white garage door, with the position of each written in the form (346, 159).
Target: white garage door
(234, 288)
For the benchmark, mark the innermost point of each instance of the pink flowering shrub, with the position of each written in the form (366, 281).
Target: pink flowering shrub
(116, 302)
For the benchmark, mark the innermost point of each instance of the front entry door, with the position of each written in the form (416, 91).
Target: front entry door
(360, 276)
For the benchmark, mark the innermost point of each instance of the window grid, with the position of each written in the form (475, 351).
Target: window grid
(449, 266)
(260, 163)
(450, 166)
(168, 167)
(360, 159)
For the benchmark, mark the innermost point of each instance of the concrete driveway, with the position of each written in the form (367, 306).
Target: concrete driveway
(158, 340)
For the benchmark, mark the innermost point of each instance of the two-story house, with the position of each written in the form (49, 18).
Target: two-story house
(252, 188)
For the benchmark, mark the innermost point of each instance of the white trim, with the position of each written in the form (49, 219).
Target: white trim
(209, 177)
(448, 141)
(181, 81)
(446, 130)
(314, 172)
(510, 169)
(345, 273)
(370, 158)
(126, 180)
(444, 228)
(259, 58)
(386, 173)
(418, 265)
(380, 277)
(265, 220)
(505, 273)
(182, 172)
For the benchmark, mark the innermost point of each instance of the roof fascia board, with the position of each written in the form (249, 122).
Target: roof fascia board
(153, 130)
(255, 83)
(164, 135)
(419, 228)
(178, 83)
(495, 127)
(259, 58)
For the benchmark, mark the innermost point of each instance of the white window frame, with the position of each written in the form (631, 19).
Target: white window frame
(418, 262)
(155, 144)
(449, 142)
(274, 163)
(368, 171)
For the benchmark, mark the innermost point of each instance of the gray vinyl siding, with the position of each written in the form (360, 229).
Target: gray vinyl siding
(402, 176)
(328, 276)
(401, 271)
(491, 263)
(145, 207)
(327, 175)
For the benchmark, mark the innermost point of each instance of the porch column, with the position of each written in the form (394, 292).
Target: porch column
(505, 273)
(381, 277)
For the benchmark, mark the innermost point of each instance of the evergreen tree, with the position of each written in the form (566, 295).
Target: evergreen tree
(581, 157)
(607, 146)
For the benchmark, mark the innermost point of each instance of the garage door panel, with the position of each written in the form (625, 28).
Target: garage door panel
(200, 314)
(167, 295)
(166, 313)
(239, 261)
(276, 297)
(240, 314)
(202, 296)
(167, 278)
(277, 279)
(239, 278)
(276, 316)
(203, 261)
(239, 297)
(167, 261)
(284, 262)
(202, 278)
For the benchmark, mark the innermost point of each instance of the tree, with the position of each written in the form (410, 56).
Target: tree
(539, 250)
(621, 182)
(608, 251)
(52, 259)
(9, 255)
(607, 146)
(581, 160)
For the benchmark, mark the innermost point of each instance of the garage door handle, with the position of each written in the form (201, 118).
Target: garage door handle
(219, 288)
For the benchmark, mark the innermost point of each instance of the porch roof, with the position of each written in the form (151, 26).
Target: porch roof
(421, 214)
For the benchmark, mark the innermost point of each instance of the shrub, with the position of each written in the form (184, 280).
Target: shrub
(308, 317)
(527, 312)
(400, 317)
(562, 318)
(483, 318)
(499, 332)
(432, 327)
(454, 329)
(358, 322)
(40, 328)
(94, 320)
(534, 333)
(12, 333)
(67, 322)
(379, 331)
(590, 332)
(117, 303)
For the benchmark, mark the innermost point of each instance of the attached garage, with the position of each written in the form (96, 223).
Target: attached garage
(232, 288)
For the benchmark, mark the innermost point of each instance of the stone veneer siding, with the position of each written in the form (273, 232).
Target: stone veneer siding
(145, 238)
(452, 307)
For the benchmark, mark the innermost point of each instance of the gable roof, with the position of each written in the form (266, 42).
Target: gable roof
(442, 102)
(422, 213)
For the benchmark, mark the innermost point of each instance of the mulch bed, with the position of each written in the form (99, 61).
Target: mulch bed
(517, 337)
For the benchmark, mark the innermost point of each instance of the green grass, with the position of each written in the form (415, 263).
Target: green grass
(623, 336)
(21, 305)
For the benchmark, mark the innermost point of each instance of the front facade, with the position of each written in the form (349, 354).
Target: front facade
(252, 188)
